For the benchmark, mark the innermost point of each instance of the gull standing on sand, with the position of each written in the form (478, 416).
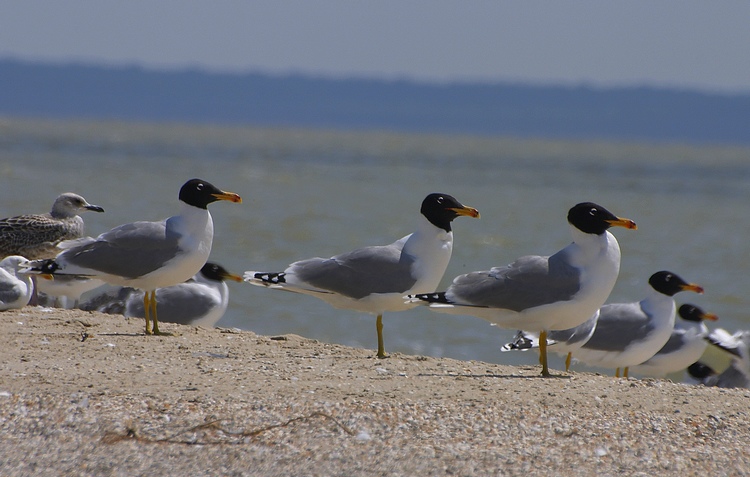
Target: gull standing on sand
(375, 279)
(200, 301)
(15, 288)
(627, 334)
(36, 236)
(147, 255)
(543, 293)
(684, 347)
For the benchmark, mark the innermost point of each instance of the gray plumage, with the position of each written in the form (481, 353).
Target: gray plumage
(574, 336)
(674, 343)
(737, 375)
(732, 377)
(36, 236)
(356, 274)
(624, 324)
(130, 250)
(202, 300)
(526, 283)
(15, 287)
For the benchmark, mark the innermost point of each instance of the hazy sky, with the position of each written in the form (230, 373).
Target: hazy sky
(687, 43)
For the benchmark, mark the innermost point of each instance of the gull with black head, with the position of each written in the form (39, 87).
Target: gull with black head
(627, 334)
(543, 293)
(685, 345)
(147, 255)
(375, 279)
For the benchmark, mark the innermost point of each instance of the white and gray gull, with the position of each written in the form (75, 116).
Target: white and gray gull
(737, 375)
(15, 287)
(147, 255)
(684, 347)
(375, 279)
(36, 236)
(543, 293)
(628, 334)
(200, 301)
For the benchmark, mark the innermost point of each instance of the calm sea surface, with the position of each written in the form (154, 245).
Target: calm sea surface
(319, 193)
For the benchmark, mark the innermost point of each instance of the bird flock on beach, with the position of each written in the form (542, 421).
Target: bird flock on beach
(160, 271)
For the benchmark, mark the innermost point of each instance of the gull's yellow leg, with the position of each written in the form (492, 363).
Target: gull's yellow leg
(379, 328)
(617, 373)
(568, 360)
(146, 311)
(543, 353)
(625, 373)
(154, 318)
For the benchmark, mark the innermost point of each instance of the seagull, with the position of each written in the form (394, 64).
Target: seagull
(146, 255)
(563, 342)
(15, 287)
(375, 279)
(64, 291)
(737, 375)
(543, 293)
(627, 334)
(36, 236)
(200, 301)
(684, 347)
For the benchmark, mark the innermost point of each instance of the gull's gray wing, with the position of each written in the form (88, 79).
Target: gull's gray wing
(574, 335)
(675, 342)
(361, 272)
(9, 292)
(130, 250)
(619, 325)
(526, 283)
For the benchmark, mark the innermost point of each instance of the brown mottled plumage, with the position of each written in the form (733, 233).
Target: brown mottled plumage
(35, 236)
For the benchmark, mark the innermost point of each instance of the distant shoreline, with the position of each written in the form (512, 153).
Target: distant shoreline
(581, 112)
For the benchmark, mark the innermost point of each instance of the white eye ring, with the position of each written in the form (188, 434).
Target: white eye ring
(593, 211)
(440, 200)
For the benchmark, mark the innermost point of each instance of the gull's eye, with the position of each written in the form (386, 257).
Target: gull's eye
(440, 200)
(593, 211)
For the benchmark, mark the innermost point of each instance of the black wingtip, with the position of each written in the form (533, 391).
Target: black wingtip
(272, 278)
(437, 297)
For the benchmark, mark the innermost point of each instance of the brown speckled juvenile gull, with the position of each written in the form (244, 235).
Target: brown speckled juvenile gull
(36, 236)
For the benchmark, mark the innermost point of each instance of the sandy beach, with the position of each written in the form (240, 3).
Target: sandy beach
(89, 394)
